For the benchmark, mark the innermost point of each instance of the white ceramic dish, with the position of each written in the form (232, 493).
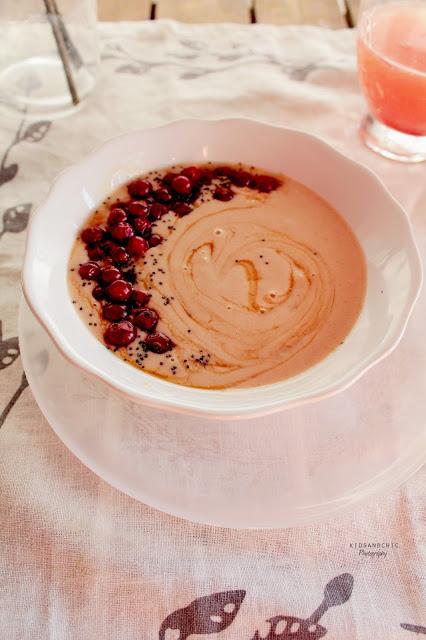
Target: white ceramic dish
(394, 267)
(292, 468)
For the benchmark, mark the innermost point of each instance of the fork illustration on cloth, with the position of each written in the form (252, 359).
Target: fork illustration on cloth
(214, 613)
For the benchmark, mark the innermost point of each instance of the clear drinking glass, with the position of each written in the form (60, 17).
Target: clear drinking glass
(48, 54)
(392, 71)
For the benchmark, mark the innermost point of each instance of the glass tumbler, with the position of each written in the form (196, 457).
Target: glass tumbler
(48, 54)
(391, 47)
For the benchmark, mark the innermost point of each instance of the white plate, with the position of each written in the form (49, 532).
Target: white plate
(383, 229)
(291, 468)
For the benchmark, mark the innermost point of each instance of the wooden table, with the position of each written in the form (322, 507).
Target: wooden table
(335, 14)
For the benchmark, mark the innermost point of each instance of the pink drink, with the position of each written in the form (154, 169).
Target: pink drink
(392, 65)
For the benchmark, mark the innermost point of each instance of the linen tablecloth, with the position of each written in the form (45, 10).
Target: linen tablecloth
(78, 559)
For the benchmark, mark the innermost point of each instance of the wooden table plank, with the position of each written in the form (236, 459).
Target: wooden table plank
(353, 7)
(325, 13)
(204, 10)
(114, 10)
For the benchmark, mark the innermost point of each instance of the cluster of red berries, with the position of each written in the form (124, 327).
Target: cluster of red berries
(129, 235)
(124, 307)
(178, 191)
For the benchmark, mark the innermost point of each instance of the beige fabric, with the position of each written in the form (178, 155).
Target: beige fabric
(78, 558)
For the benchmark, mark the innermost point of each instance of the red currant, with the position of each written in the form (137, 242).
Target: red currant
(120, 334)
(89, 271)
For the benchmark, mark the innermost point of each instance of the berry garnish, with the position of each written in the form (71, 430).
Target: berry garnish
(119, 204)
(89, 271)
(182, 185)
(114, 312)
(242, 179)
(120, 334)
(158, 343)
(206, 176)
(158, 210)
(109, 274)
(227, 172)
(139, 299)
(122, 231)
(92, 235)
(116, 215)
(139, 188)
(147, 319)
(266, 184)
(137, 209)
(98, 293)
(168, 178)
(223, 194)
(95, 252)
(163, 195)
(141, 226)
(119, 290)
(137, 247)
(192, 173)
(108, 246)
(155, 240)
(120, 255)
(182, 209)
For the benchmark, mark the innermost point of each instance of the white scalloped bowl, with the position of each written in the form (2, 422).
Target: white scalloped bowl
(382, 227)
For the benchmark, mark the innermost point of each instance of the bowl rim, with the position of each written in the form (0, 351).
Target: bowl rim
(75, 358)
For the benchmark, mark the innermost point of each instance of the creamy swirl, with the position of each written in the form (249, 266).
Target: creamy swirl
(251, 295)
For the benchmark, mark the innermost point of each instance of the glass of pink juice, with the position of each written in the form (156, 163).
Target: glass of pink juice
(391, 47)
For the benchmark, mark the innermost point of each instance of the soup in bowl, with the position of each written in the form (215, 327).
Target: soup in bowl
(225, 268)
